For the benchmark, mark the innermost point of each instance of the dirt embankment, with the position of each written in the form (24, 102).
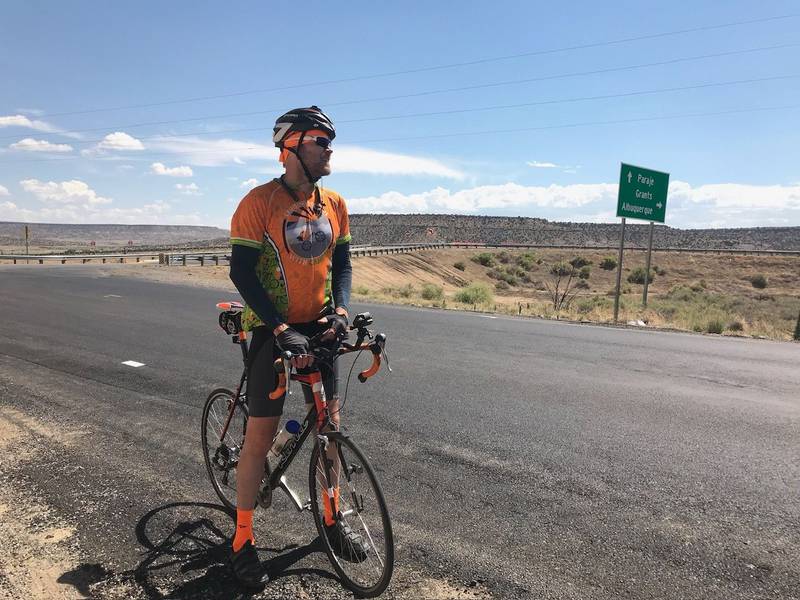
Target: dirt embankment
(689, 291)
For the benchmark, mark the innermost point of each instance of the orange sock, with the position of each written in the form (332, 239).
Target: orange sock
(244, 529)
(326, 505)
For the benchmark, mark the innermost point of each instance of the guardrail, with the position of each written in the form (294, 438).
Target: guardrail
(616, 248)
(184, 258)
(84, 258)
(222, 256)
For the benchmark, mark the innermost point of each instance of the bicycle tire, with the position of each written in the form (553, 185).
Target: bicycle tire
(222, 456)
(370, 577)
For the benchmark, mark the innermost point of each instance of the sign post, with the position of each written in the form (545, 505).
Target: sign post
(27, 251)
(642, 195)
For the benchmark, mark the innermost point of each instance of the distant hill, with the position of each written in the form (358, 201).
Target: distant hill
(404, 229)
(397, 229)
(110, 236)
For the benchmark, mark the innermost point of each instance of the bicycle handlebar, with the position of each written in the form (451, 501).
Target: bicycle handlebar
(377, 346)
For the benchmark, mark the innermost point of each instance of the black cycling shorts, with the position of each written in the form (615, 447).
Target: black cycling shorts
(262, 378)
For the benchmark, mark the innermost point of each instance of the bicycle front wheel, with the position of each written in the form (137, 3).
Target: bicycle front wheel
(221, 452)
(366, 567)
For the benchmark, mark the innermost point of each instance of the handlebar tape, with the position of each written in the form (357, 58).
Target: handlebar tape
(376, 364)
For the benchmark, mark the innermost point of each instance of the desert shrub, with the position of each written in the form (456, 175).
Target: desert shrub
(580, 261)
(609, 263)
(517, 271)
(561, 269)
(526, 260)
(638, 275)
(797, 329)
(495, 274)
(735, 326)
(582, 284)
(431, 291)
(504, 257)
(526, 278)
(659, 270)
(484, 258)
(585, 271)
(361, 290)
(697, 327)
(697, 286)
(715, 326)
(475, 293)
(667, 311)
(509, 279)
(501, 285)
(406, 291)
(460, 266)
(759, 281)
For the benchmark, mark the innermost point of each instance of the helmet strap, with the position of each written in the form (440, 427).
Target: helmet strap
(312, 180)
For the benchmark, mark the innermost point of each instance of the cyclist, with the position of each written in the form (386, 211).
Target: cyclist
(290, 261)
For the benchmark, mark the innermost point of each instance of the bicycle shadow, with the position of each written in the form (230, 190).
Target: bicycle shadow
(185, 555)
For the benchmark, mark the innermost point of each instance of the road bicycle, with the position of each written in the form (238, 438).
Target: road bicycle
(336, 461)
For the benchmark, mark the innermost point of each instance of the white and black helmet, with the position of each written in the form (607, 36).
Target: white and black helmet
(301, 119)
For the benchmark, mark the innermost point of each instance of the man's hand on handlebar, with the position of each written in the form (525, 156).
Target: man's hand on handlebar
(337, 326)
(296, 343)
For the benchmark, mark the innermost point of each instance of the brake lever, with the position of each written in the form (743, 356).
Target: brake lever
(386, 357)
(287, 371)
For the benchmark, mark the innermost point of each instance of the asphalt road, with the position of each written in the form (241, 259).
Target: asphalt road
(520, 458)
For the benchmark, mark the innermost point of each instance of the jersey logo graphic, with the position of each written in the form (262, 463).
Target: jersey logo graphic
(307, 235)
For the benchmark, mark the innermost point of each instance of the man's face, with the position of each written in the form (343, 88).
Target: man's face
(316, 158)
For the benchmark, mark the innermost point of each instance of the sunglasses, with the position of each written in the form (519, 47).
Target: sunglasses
(319, 140)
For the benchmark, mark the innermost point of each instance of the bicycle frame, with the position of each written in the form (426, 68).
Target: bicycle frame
(317, 418)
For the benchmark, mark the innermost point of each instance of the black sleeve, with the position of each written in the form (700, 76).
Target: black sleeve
(243, 275)
(342, 276)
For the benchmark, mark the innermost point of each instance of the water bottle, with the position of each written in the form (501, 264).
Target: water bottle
(290, 430)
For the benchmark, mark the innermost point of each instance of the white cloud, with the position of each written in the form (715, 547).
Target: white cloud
(157, 213)
(36, 112)
(541, 165)
(214, 153)
(487, 198)
(735, 195)
(31, 145)
(713, 205)
(189, 189)
(160, 169)
(249, 183)
(345, 159)
(3, 191)
(23, 121)
(120, 140)
(73, 191)
(352, 159)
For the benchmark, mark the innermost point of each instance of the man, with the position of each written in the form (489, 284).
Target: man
(290, 261)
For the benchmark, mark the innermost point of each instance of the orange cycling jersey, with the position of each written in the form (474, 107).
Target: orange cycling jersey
(296, 243)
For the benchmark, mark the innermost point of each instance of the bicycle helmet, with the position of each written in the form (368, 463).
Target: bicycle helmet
(301, 119)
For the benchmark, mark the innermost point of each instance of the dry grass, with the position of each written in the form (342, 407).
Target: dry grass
(693, 292)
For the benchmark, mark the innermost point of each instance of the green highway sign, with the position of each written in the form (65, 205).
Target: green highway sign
(642, 194)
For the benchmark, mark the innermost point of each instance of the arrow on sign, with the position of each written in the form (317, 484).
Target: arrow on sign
(629, 176)
(659, 205)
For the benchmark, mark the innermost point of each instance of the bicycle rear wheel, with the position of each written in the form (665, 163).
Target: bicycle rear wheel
(221, 454)
(363, 508)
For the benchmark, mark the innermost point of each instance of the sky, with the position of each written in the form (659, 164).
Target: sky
(162, 112)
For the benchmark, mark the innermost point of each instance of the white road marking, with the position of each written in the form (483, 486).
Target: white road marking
(132, 363)
(488, 316)
(111, 296)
